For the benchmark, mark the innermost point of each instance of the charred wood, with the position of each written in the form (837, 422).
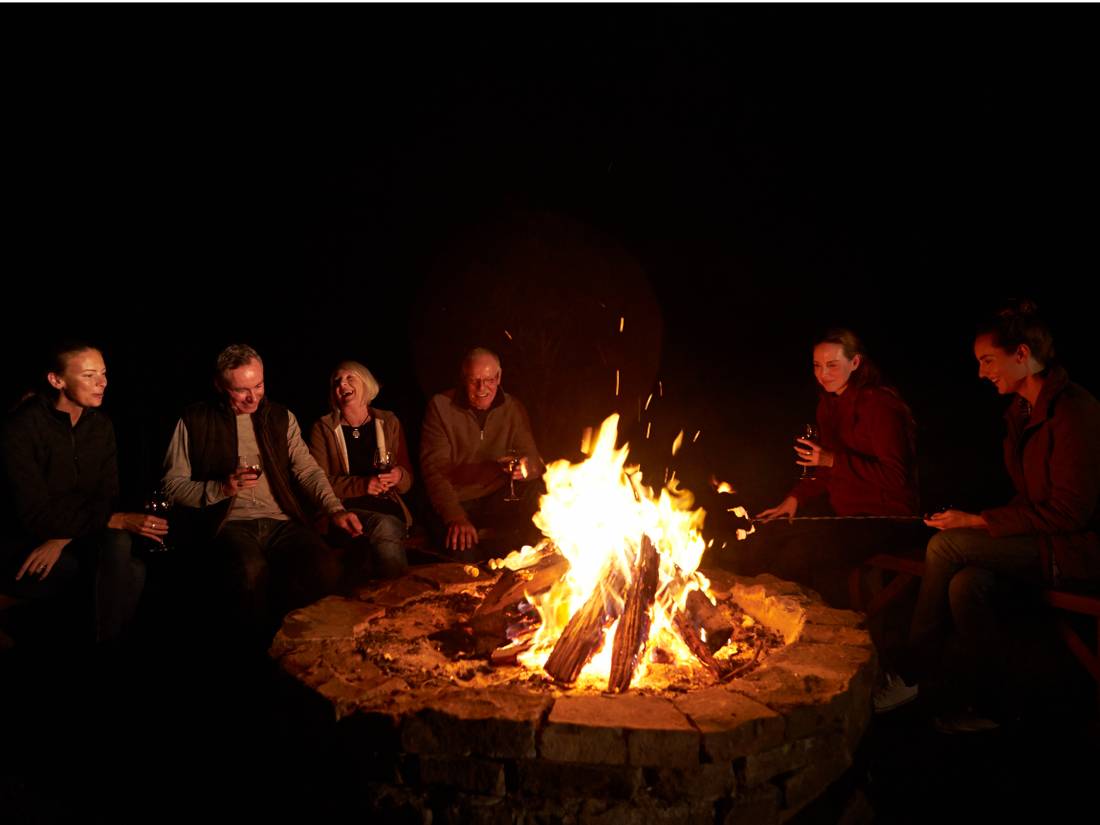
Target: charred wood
(583, 635)
(633, 630)
(708, 618)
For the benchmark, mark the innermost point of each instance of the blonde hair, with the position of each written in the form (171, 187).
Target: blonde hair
(370, 383)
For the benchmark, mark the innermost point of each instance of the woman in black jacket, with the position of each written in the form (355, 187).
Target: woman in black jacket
(60, 465)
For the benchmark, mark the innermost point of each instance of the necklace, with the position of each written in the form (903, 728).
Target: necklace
(355, 428)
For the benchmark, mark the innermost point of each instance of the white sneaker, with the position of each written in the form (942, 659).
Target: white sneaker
(893, 694)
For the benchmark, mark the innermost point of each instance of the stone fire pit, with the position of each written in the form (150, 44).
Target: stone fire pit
(451, 740)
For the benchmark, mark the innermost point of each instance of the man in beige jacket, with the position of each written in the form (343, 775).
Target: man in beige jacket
(474, 438)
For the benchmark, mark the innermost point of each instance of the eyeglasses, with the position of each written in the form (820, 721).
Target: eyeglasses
(477, 382)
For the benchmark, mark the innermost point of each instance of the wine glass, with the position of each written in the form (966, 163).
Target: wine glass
(158, 504)
(514, 464)
(808, 432)
(383, 461)
(250, 463)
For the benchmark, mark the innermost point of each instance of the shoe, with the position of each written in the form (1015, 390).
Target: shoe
(893, 694)
(965, 721)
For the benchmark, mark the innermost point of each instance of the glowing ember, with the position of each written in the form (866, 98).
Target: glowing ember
(596, 513)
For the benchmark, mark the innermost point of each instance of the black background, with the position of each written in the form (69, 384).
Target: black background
(396, 184)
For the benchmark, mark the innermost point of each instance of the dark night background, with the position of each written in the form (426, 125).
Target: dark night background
(397, 184)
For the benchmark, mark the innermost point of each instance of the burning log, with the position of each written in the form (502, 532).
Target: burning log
(582, 636)
(690, 634)
(715, 625)
(499, 609)
(633, 630)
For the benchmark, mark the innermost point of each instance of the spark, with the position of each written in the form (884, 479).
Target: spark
(648, 427)
(622, 321)
(648, 400)
(616, 383)
(697, 434)
(506, 332)
(677, 442)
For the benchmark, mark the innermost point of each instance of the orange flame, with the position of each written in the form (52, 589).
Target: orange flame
(595, 512)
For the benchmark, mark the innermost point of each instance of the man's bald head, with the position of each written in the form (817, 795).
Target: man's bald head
(481, 374)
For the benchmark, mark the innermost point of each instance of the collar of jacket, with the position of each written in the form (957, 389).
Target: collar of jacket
(62, 417)
(1056, 380)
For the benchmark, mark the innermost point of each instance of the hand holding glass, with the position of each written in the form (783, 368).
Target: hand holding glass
(250, 464)
(809, 433)
(515, 461)
(383, 463)
(158, 504)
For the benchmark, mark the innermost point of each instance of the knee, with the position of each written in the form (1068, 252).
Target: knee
(116, 551)
(249, 572)
(969, 587)
(388, 529)
(941, 548)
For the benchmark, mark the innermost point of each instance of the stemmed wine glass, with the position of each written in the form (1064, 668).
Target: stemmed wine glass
(250, 463)
(383, 461)
(514, 463)
(158, 504)
(809, 433)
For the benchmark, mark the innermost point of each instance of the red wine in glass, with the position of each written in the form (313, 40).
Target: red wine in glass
(383, 461)
(250, 464)
(808, 432)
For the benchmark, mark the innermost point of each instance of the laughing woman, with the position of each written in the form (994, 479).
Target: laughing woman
(981, 568)
(345, 443)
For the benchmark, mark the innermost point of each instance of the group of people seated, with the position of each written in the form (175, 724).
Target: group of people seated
(266, 520)
(275, 522)
(981, 570)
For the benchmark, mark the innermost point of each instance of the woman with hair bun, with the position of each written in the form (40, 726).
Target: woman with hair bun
(865, 465)
(1048, 534)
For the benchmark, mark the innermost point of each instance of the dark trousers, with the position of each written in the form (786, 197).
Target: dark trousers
(378, 554)
(820, 554)
(268, 568)
(95, 585)
(977, 587)
(503, 526)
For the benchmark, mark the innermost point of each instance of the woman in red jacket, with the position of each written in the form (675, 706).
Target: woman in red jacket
(1049, 533)
(865, 465)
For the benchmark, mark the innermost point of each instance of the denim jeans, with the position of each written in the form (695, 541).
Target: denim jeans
(270, 567)
(379, 552)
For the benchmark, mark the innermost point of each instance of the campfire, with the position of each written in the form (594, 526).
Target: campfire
(614, 588)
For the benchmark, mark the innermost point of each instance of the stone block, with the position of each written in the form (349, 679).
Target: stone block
(835, 634)
(831, 750)
(821, 614)
(707, 781)
(731, 724)
(397, 592)
(755, 806)
(645, 812)
(808, 783)
(496, 722)
(639, 730)
(810, 703)
(542, 778)
(478, 776)
(469, 809)
(333, 617)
